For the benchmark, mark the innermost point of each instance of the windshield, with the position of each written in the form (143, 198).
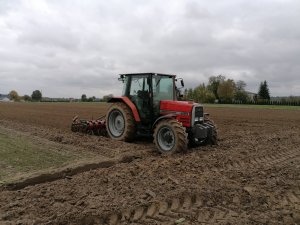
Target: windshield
(163, 88)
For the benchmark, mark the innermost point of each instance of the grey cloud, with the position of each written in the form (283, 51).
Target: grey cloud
(50, 36)
(74, 47)
(6, 6)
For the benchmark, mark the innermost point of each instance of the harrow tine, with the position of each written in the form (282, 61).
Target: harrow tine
(93, 127)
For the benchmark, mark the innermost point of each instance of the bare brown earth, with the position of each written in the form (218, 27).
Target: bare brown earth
(251, 177)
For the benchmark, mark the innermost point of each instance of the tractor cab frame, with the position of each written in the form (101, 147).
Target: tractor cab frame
(146, 90)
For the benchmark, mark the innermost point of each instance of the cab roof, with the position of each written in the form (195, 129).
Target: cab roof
(135, 74)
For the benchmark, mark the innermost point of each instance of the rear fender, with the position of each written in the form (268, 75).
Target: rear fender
(129, 103)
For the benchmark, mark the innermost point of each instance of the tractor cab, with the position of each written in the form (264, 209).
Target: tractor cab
(146, 90)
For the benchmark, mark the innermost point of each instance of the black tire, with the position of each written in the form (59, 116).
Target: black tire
(120, 123)
(170, 137)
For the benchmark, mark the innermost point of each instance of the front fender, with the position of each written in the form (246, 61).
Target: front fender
(168, 116)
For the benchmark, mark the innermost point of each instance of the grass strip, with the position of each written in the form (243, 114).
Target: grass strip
(20, 155)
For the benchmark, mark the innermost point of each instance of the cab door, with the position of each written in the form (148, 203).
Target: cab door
(140, 95)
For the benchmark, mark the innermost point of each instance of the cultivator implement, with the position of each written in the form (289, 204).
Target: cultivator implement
(94, 127)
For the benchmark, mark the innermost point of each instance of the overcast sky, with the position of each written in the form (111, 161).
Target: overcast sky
(68, 47)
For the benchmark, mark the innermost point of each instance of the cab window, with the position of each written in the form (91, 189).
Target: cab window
(163, 87)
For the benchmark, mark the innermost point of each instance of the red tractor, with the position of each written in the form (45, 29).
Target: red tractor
(148, 106)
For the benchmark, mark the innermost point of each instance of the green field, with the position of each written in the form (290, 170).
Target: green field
(277, 107)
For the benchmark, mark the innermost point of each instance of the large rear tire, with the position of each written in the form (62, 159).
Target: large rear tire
(120, 123)
(170, 137)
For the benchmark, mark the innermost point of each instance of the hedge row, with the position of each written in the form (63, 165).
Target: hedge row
(262, 102)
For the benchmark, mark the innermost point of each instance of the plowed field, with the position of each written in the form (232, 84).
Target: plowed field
(251, 177)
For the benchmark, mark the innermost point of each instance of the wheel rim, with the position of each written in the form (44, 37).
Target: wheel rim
(116, 123)
(166, 138)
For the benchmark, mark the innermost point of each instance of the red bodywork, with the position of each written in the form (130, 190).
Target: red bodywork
(181, 109)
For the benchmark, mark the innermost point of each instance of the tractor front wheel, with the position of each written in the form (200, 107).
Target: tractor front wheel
(120, 123)
(170, 137)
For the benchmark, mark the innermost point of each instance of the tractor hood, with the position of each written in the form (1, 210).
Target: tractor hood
(169, 106)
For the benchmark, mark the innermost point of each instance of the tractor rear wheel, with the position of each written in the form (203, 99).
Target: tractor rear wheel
(170, 137)
(120, 123)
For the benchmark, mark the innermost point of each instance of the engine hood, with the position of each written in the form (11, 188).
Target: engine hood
(169, 106)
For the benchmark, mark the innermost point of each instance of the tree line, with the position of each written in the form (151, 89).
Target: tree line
(219, 89)
(222, 90)
(84, 98)
(35, 96)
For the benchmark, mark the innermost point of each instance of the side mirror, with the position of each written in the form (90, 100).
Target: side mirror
(121, 78)
(182, 83)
